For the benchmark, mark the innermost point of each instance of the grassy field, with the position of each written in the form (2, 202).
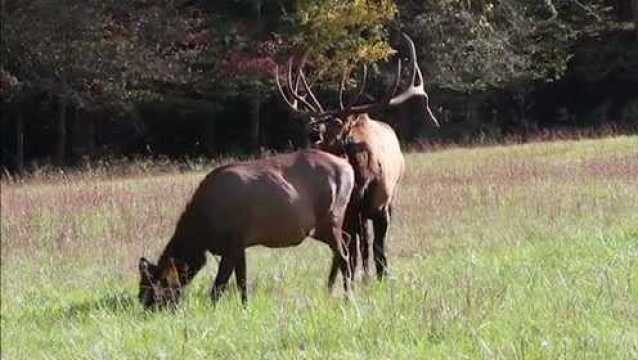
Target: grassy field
(526, 251)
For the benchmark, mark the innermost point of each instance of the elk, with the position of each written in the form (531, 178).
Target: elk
(371, 146)
(274, 202)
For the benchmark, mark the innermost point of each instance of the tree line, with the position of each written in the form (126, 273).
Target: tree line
(194, 77)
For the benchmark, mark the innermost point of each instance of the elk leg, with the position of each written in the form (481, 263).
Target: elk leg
(334, 238)
(352, 228)
(340, 262)
(364, 246)
(226, 267)
(333, 271)
(380, 223)
(346, 273)
(353, 222)
(240, 275)
(353, 256)
(344, 259)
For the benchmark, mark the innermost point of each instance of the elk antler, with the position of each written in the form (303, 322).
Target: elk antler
(305, 83)
(413, 89)
(294, 103)
(361, 88)
(317, 113)
(321, 114)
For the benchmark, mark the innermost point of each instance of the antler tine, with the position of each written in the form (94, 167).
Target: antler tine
(292, 104)
(300, 74)
(395, 86)
(352, 109)
(308, 91)
(416, 70)
(420, 75)
(413, 63)
(413, 89)
(364, 79)
(297, 84)
(294, 92)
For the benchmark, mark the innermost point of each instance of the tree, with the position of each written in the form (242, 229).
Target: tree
(12, 91)
(96, 54)
(478, 45)
(339, 34)
(256, 35)
(511, 48)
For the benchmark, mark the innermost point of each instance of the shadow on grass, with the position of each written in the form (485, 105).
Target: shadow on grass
(117, 304)
(114, 303)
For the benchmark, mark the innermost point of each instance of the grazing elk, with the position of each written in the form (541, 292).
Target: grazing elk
(274, 202)
(371, 147)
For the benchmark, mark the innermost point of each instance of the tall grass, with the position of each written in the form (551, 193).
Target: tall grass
(526, 251)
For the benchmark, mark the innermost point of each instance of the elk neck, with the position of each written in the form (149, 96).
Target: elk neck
(186, 247)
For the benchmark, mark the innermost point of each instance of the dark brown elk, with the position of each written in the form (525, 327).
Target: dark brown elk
(371, 147)
(274, 202)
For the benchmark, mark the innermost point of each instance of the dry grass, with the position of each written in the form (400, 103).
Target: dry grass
(502, 251)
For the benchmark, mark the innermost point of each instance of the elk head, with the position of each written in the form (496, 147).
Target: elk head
(329, 128)
(160, 286)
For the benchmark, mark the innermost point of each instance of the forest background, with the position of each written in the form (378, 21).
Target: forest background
(106, 79)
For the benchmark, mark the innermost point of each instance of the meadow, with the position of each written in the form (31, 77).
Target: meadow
(514, 252)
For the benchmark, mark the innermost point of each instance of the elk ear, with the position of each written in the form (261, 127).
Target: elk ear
(147, 268)
(172, 275)
(144, 265)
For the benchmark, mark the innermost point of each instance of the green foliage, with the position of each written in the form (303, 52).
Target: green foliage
(337, 34)
(97, 53)
(480, 45)
(102, 52)
(345, 32)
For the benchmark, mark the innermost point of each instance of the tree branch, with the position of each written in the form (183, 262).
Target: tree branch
(588, 10)
(552, 9)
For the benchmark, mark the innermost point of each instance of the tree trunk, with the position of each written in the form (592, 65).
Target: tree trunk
(19, 140)
(255, 99)
(635, 6)
(472, 116)
(253, 128)
(90, 124)
(257, 12)
(210, 143)
(82, 136)
(60, 145)
(78, 136)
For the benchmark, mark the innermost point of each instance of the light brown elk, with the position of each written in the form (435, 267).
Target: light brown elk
(371, 147)
(273, 202)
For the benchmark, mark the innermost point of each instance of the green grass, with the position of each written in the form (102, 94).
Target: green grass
(527, 251)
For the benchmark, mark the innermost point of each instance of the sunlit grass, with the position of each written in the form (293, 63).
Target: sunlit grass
(526, 251)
